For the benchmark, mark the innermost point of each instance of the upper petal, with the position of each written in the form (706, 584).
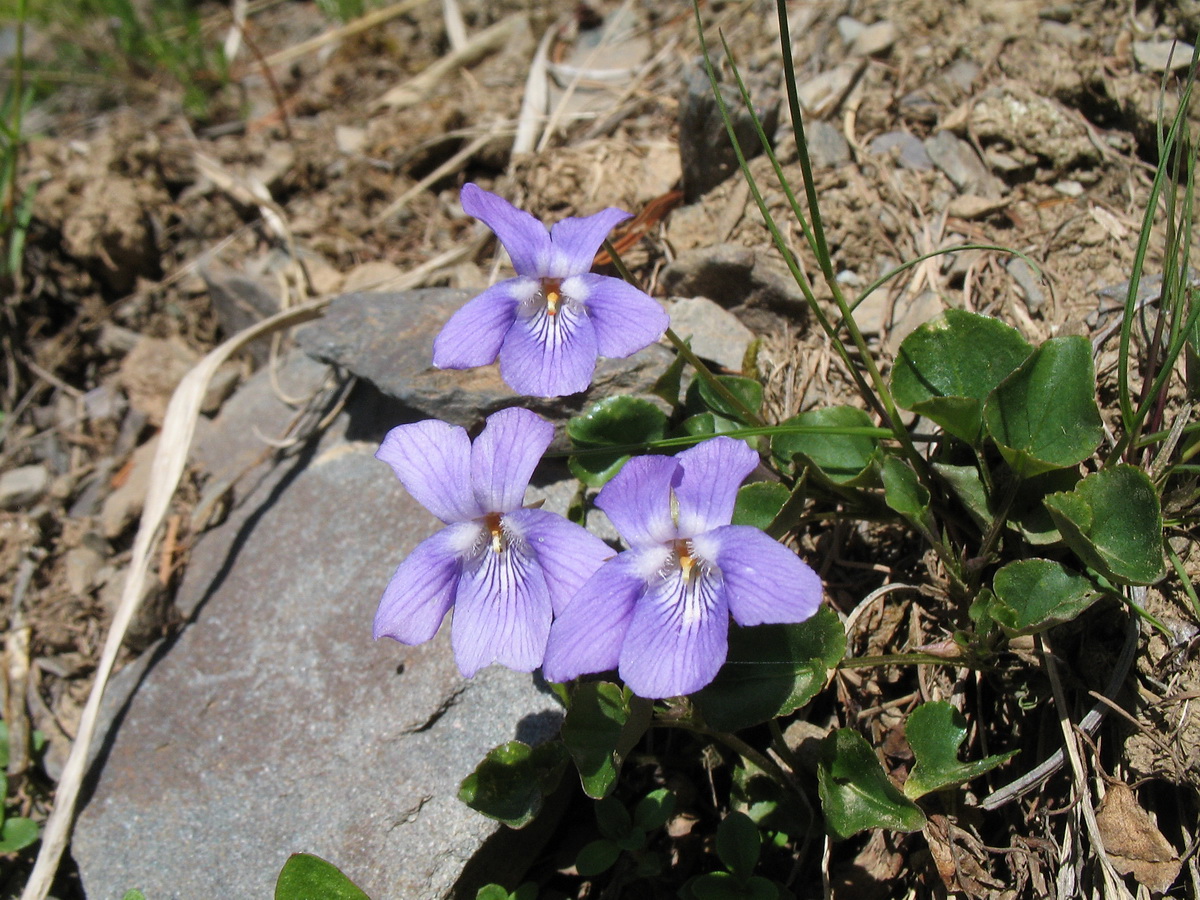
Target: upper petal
(422, 589)
(678, 637)
(625, 319)
(549, 356)
(567, 553)
(523, 236)
(473, 335)
(432, 459)
(501, 613)
(587, 636)
(765, 582)
(712, 473)
(576, 240)
(504, 456)
(638, 500)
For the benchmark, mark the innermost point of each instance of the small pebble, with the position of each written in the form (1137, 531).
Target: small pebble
(23, 486)
(1070, 188)
(1156, 56)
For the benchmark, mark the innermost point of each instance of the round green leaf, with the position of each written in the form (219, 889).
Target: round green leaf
(591, 731)
(305, 876)
(492, 892)
(843, 458)
(856, 793)
(1044, 415)
(653, 810)
(772, 670)
(738, 844)
(1035, 594)
(759, 503)
(946, 368)
(17, 833)
(935, 731)
(613, 818)
(618, 421)
(596, 857)
(702, 396)
(512, 781)
(1113, 522)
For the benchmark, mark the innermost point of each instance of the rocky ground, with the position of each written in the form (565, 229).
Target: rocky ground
(330, 164)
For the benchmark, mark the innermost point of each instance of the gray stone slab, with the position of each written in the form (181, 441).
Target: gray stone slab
(388, 340)
(273, 724)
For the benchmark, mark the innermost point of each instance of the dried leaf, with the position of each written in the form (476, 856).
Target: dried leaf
(1133, 842)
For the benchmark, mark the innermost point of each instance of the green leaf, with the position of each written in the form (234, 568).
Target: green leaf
(613, 818)
(612, 422)
(3, 750)
(723, 886)
(669, 382)
(1044, 415)
(596, 857)
(702, 397)
(134, 895)
(842, 458)
(653, 810)
(492, 892)
(947, 367)
(935, 731)
(1035, 594)
(1028, 513)
(17, 833)
(765, 801)
(306, 877)
(856, 793)
(738, 844)
(759, 503)
(1113, 522)
(772, 670)
(904, 493)
(592, 732)
(512, 781)
(967, 485)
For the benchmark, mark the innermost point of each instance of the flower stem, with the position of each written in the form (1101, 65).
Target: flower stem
(686, 352)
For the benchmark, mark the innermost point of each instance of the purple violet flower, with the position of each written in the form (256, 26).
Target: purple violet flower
(547, 325)
(659, 611)
(505, 569)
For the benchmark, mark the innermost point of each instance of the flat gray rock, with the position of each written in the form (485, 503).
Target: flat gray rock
(272, 723)
(388, 340)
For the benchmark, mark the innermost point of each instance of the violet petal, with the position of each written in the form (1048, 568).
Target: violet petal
(432, 459)
(422, 589)
(625, 319)
(765, 582)
(523, 236)
(567, 553)
(473, 335)
(504, 456)
(576, 240)
(712, 473)
(502, 612)
(678, 636)
(587, 636)
(638, 500)
(549, 356)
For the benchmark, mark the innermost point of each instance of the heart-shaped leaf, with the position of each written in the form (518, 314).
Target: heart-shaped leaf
(653, 810)
(772, 670)
(946, 368)
(842, 458)
(1044, 415)
(738, 844)
(305, 876)
(512, 781)
(856, 793)
(1035, 594)
(935, 731)
(1113, 522)
(759, 503)
(594, 732)
(703, 397)
(616, 421)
